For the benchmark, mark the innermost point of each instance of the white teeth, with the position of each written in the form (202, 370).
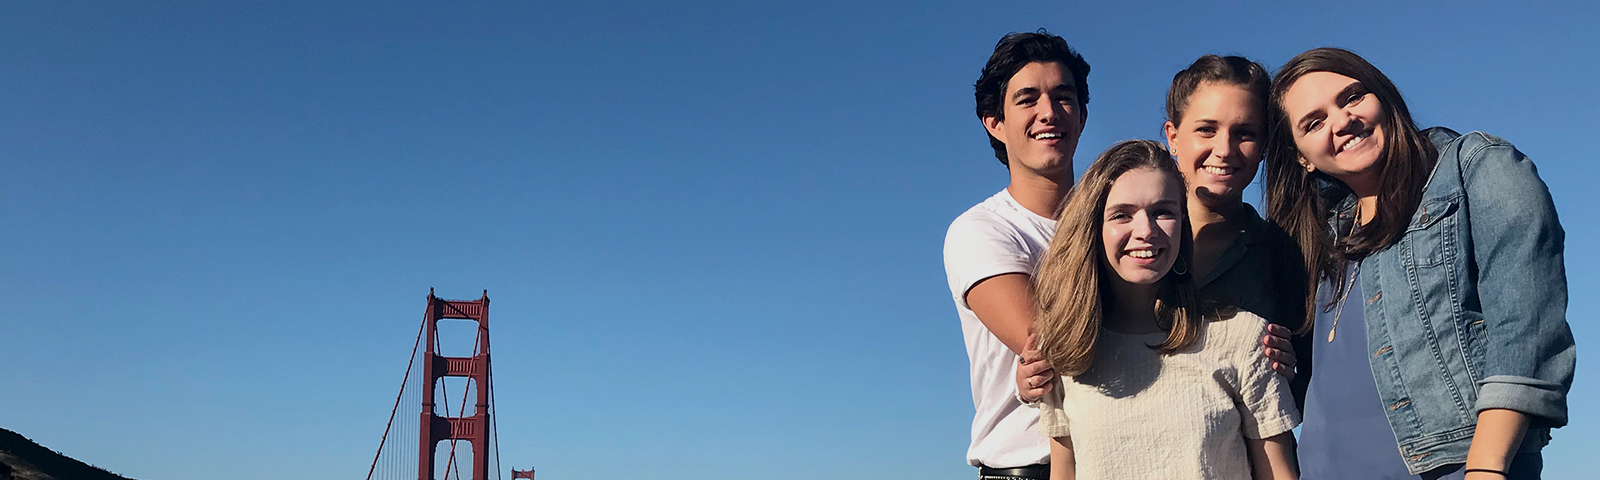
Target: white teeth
(1142, 253)
(1353, 142)
(1043, 136)
(1220, 170)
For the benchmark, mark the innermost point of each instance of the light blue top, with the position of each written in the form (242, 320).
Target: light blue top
(1345, 433)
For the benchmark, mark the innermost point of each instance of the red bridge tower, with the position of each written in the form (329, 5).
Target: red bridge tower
(474, 429)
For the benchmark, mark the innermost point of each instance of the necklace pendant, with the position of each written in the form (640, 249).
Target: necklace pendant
(1331, 331)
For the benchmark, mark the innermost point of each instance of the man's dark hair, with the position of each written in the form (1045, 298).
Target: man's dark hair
(1017, 50)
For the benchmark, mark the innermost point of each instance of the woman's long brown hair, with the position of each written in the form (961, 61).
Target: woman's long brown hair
(1068, 288)
(1301, 202)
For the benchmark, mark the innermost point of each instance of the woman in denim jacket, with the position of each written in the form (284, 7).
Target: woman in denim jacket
(1442, 254)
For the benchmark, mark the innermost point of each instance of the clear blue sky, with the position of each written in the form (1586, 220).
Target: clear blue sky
(711, 232)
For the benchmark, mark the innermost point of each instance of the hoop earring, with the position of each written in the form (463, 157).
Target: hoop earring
(1176, 271)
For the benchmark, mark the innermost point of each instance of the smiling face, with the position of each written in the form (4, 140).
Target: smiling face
(1042, 119)
(1337, 123)
(1217, 142)
(1141, 226)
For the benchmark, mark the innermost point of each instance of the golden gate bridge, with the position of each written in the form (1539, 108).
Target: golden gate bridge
(424, 415)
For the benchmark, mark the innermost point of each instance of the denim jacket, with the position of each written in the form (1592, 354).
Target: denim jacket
(1466, 311)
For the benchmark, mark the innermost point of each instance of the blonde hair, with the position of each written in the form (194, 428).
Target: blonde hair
(1068, 288)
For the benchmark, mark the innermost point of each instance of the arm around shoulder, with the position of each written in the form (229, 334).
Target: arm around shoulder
(988, 270)
(1004, 303)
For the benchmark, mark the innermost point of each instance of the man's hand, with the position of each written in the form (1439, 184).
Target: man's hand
(1034, 375)
(1275, 346)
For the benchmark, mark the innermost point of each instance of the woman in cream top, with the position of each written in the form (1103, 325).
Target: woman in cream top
(1156, 382)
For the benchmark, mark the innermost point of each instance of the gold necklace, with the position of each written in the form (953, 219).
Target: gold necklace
(1338, 312)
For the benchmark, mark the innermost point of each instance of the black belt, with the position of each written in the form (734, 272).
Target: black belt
(1040, 471)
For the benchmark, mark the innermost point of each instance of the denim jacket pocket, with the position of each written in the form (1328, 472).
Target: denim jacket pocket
(1432, 238)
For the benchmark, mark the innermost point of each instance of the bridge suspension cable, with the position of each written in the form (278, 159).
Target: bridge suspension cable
(397, 396)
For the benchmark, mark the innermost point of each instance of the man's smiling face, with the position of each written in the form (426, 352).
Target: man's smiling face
(1042, 119)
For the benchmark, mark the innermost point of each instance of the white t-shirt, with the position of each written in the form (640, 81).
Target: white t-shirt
(992, 238)
(1138, 414)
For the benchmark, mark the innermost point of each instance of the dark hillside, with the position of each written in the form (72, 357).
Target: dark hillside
(30, 461)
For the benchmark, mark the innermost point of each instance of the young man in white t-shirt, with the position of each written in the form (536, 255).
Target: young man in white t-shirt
(1032, 99)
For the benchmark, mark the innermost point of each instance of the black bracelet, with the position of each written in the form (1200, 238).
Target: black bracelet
(1485, 470)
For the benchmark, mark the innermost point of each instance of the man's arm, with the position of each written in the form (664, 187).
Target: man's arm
(1004, 304)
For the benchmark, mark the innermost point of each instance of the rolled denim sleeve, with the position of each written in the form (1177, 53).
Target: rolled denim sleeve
(1517, 247)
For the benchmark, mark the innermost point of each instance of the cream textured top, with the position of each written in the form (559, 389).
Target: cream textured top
(1138, 414)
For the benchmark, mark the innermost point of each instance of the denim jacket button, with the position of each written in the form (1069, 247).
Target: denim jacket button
(1424, 218)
